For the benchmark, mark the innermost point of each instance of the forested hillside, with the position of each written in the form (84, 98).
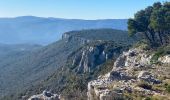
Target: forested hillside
(29, 70)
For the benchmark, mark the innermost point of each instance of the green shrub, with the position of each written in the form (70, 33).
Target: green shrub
(148, 98)
(168, 88)
(145, 85)
(160, 52)
(143, 44)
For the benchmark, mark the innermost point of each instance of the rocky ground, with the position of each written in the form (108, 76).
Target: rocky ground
(133, 77)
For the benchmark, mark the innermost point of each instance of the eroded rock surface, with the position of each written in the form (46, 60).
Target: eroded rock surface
(146, 76)
(129, 70)
(165, 59)
(132, 58)
(90, 56)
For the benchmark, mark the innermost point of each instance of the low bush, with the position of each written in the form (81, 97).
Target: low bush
(145, 85)
(168, 88)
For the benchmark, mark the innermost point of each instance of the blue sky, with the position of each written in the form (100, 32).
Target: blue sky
(75, 9)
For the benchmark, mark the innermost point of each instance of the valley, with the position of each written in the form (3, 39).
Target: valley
(48, 58)
(51, 59)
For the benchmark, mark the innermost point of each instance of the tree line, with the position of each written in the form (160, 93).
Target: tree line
(153, 22)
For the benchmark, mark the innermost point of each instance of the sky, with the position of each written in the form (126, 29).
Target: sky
(74, 9)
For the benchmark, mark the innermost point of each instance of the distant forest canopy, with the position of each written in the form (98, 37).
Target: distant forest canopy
(153, 22)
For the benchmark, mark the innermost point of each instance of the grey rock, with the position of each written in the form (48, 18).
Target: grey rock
(165, 59)
(120, 75)
(46, 95)
(90, 56)
(120, 62)
(133, 58)
(148, 77)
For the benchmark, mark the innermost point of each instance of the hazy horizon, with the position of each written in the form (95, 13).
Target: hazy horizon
(62, 18)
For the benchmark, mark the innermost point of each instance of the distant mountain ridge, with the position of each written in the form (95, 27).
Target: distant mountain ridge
(39, 30)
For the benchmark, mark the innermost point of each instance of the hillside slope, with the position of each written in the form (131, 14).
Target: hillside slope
(82, 66)
(30, 69)
(8, 49)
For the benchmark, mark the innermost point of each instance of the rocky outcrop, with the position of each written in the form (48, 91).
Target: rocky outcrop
(86, 59)
(46, 95)
(133, 58)
(148, 77)
(123, 78)
(110, 85)
(165, 59)
(68, 38)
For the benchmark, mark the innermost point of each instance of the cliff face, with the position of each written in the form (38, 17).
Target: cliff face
(81, 40)
(132, 74)
(87, 58)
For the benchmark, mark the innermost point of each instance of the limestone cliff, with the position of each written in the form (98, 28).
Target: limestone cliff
(87, 58)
